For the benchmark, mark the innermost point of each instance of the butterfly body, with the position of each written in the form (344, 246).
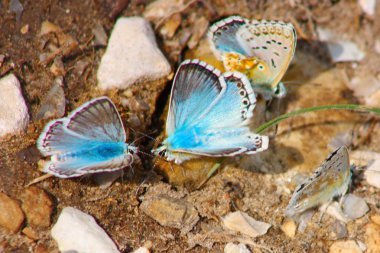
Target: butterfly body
(209, 115)
(268, 44)
(330, 180)
(91, 139)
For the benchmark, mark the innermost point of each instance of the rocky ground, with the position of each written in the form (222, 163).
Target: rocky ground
(56, 55)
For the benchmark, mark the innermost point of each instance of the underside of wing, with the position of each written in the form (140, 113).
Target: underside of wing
(97, 119)
(56, 139)
(226, 142)
(197, 86)
(273, 42)
(78, 166)
(222, 35)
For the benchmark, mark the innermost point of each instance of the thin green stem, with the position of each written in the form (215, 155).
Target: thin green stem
(285, 116)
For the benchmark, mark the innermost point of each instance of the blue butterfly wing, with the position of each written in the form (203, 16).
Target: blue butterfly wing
(91, 157)
(196, 88)
(223, 130)
(97, 119)
(220, 129)
(223, 35)
(56, 139)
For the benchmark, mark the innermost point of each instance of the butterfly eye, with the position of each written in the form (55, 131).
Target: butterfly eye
(131, 151)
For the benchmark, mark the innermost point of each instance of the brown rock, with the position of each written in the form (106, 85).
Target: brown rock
(40, 248)
(11, 215)
(289, 227)
(30, 233)
(372, 233)
(345, 247)
(37, 206)
(171, 212)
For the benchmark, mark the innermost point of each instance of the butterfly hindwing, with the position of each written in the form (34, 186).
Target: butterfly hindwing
(274, 43)
(91, 158)
(223, 37)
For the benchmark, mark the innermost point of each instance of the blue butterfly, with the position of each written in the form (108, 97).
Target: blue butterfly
(209, 114)
(260, 49)
(91, 139)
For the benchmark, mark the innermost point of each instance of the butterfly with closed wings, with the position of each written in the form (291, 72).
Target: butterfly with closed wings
(89, 140)
(262, 50)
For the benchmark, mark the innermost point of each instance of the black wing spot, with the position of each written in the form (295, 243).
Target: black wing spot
(279, 43)
(286, 48)
(268, 42)
(273, 64)
(264, 48)
(276, 53)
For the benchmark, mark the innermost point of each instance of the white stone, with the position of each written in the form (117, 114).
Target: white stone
(245, 224)
(334, 210)
(76, 231)
(349, 246)
(354, 207)
(141, 250)
(162, 8)
(368, 7)
(14, 117)
(340, 50)
(372, 173)
(131, 56)
(236, 248)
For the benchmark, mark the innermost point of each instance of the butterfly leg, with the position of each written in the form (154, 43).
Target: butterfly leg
(324, 211)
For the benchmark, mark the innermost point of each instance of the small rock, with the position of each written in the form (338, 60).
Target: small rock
(365, 88)
(16, 7)
(105, 179)
(14, 115)
(57, 68)
(76, 231)
(354, 207)
(30, 233)
(171, 212)
(131, 56)
(53, 104)
(11, 215)
(340, 50)
(372, 173)
(141, 250)
(368, 6)
(245, 224)
(376, 219)
(37, 206)
(171, 25)
(345, 247)
(338, 230)
(304, 219)
(236, 248)
(289, 227)
(161, 9)
(372, 233)
(24, 29)
(334, 210)
(100, 35)
(40, 248)
(80, 67)
(199, 29)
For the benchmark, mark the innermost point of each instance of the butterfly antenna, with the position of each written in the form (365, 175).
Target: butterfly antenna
(143, 135)
(293, 82)
(39, 179)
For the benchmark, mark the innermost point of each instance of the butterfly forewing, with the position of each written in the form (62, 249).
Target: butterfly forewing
(97, 119)
(196, 88)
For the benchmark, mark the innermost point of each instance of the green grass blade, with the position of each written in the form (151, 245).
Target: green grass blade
(351, 107)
